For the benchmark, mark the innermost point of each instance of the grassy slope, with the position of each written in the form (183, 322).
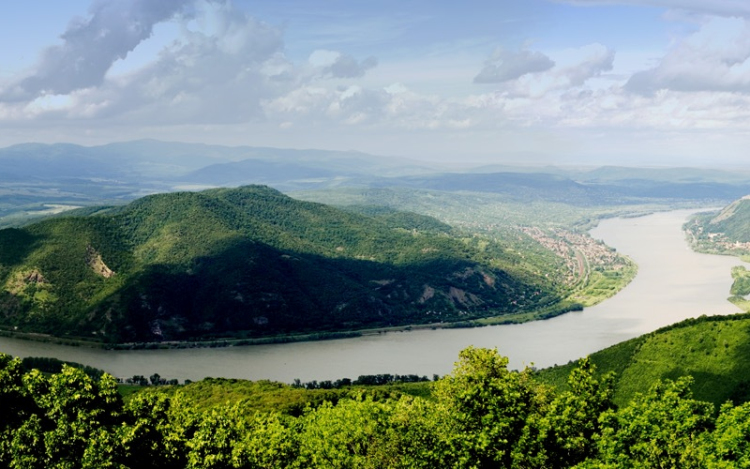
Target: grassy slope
(714, 350)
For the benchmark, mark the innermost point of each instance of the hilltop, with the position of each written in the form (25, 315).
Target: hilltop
(250, 262)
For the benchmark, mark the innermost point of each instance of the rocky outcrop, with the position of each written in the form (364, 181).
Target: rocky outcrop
(94, 260)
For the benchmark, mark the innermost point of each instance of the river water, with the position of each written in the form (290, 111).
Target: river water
(673, 283)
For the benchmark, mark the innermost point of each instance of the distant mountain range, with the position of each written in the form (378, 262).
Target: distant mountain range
(171, 162)
(247, 262)
(127, 169)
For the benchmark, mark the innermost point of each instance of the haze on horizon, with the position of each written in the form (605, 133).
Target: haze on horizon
(630, 82)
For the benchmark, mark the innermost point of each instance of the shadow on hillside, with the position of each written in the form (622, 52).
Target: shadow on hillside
(15, 245)
(250, 289)
(740, 375)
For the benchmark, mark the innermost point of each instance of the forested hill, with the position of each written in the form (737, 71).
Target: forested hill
(248, 262)
(713, 350)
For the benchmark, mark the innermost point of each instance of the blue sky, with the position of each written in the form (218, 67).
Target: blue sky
(632, 82)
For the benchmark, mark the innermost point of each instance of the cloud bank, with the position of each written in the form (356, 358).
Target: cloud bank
(226, 69)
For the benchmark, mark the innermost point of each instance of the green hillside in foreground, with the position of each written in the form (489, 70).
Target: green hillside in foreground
(482, 415)
(714, 350)
(249, 262)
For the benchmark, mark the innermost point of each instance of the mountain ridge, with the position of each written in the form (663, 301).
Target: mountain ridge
(248, 261)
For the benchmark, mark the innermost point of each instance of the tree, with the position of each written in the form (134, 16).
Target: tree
(77, 416)
(485, 407)
(349, 434)
(564, 434)
(214, 442)
(662, 428)
(729, 444)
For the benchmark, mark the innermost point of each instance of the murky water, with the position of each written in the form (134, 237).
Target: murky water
(673, 283)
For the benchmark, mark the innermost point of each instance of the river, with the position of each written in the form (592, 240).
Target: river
(673, 283)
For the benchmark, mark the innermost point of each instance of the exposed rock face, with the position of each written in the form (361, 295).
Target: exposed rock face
(34, 277)
(94, 260)
(21, 280)
(463, 298)
(428, 293)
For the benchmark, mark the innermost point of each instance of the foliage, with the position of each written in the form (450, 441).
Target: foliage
(488, 406)
(53, 365)
(661, 428)
(712, 349)
(480, 416)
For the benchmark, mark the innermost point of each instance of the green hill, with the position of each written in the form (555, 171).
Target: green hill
(249, 262)
(722, 232)
(714, 350)
(731, 224)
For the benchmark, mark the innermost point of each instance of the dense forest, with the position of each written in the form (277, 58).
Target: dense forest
(252, 262)
(480, 416)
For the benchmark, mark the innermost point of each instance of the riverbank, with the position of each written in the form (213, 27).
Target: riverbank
(515, 318)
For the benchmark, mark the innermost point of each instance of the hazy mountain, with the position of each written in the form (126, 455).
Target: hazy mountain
(590, 190)
(674, 175)
(170, 163)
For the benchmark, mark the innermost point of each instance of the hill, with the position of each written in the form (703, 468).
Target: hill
(250, 262)
(714, 350)
(726, 232)
(730, 225)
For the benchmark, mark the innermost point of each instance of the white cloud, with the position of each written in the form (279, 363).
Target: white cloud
(220, 69)
(332, 64)
(216, 76)
(715, 58)
(599, 60)
(505, 65)
(91, 45)
(347, 66)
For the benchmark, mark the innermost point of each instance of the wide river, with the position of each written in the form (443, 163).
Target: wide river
(673, 283)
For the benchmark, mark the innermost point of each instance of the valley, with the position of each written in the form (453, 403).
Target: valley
(405, 274)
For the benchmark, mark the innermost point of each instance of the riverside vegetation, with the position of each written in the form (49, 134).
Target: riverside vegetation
(482, 415)
(249, 263)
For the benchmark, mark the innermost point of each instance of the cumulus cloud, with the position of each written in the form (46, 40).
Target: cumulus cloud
(505, 65)
(220, 68)
(332, 64)
(91, 45)
(217, 76)
(599, 61)
(347, 66)
(715, 58)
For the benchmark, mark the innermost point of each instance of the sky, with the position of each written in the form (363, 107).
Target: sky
(527, 82)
